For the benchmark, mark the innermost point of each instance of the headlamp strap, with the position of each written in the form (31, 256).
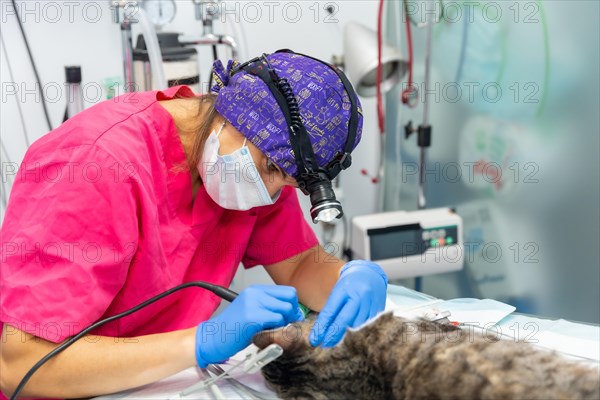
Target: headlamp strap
(353, 122)
(299, 139)
(283, 94)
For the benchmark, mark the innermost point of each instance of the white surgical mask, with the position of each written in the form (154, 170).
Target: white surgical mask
(232, 180)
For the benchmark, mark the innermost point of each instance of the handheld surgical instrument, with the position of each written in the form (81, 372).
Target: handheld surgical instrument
(251, 364)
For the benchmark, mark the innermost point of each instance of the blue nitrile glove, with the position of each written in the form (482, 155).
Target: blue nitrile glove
(256, 308)
(358, 295)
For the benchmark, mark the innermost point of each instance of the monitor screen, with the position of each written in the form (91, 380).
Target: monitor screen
(393, 242)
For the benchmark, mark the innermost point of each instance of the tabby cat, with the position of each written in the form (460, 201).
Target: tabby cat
(396, 358)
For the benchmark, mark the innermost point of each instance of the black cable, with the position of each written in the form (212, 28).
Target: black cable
(220, 291)
(2, 176)
(293, 106)
(347, 250)
(12, 79)
(418, 284)
(345, 232)
(35, 71)
(215, 57)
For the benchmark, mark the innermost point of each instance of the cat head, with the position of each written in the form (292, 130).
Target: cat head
(293, 338)
(342, 371)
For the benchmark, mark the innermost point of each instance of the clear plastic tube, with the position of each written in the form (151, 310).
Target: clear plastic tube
(156, 63)
(74, 99)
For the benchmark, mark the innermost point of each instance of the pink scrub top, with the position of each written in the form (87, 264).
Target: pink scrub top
(101, 218)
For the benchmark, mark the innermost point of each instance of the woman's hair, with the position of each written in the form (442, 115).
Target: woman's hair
(207, 116)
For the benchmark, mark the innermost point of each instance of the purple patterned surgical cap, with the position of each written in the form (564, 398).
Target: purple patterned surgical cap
(248, 104)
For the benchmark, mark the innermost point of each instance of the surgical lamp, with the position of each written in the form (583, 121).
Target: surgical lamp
(361, 59)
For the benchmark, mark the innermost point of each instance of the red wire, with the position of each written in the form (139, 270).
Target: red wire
(380, 114)
(407, 92)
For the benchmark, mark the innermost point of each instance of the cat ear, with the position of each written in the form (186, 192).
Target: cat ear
(291, 338)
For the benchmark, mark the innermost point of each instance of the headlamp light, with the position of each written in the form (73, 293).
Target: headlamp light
(324, 205)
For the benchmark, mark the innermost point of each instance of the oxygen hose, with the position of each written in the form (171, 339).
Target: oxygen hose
(159, 81)
(220, 291)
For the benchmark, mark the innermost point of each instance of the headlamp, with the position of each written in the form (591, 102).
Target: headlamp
(324, 206)
(313, 180)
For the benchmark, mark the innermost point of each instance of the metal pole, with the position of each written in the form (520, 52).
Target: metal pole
(207, 11)
(126, 41)
(211, 39)
(422, 202)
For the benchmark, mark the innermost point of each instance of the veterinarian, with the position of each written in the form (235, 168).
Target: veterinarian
(150, 190)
